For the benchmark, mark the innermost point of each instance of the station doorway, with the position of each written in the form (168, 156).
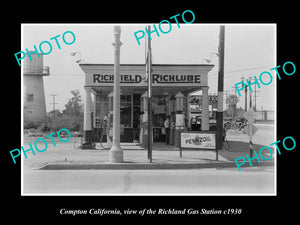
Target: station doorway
(161, 105)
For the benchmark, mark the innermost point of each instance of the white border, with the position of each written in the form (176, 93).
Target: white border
(156, 194)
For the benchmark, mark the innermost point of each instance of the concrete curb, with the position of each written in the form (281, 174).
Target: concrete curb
(145, 166)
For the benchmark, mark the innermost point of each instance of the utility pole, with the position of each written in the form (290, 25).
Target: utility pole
(245, 94)
(255, 91)
(234, 89)
(250, 101)
(226, 98)
(219, 136)
(53, 103)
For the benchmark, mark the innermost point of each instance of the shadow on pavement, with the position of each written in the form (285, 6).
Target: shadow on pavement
(239, 149)
(239, 146)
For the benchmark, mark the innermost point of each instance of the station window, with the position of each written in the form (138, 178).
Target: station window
(101, 110)
(136, 103)
(126, 111)
(29, 97)
(126, 98)
(126, 108)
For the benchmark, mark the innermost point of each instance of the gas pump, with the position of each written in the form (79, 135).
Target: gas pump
(172, 131)
(196, 123)
(109, 129)
(144, 120)
(179, 127)
(94, 136)
(103, 123)
(179, 118)
(88, 136)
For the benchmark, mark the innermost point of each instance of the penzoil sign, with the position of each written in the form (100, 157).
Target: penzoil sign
(198, 140)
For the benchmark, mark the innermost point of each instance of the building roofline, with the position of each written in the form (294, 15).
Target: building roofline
(110, 64)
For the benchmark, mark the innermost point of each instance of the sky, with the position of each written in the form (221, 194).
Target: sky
(249, 50)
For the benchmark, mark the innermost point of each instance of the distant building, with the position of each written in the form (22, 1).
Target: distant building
(34, 95)
(195, 111)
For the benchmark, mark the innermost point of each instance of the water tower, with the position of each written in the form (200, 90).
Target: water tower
(34, 95)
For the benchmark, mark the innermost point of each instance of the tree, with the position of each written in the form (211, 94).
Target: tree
(54, 113)
(232, 100)
(73, 107)
(72, 123)
(71, 118)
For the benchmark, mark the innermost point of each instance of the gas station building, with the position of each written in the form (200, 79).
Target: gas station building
(171, 89)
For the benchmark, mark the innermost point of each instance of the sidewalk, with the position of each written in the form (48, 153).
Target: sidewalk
(65, 157)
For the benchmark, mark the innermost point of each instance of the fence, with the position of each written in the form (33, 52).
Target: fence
(265, 115)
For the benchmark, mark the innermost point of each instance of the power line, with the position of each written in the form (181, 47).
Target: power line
(226, 72)
(255, 96)
(236, 71)
(241, 70)
(67, 75)
(53, 103)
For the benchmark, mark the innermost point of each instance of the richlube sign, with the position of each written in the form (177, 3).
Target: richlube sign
(157, 79)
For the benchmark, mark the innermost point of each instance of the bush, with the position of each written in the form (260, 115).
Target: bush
(29, 124)
(72, 123)
(45, 127)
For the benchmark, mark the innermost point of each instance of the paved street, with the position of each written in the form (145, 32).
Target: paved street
(199, 181)
(219, 180)
(265, 135)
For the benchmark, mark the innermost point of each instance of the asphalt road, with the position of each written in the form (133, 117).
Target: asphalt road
(144, 182)
(229, 181)
(265, 135)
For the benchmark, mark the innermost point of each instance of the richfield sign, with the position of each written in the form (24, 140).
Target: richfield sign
(134, 75)
(157, 79)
